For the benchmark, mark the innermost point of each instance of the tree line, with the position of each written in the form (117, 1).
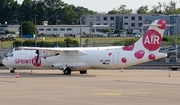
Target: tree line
(59, 12)
(161, 8)
(37, 11)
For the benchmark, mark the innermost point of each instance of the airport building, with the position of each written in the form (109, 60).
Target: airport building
(53, 30)
(130, 22)
(98, 22)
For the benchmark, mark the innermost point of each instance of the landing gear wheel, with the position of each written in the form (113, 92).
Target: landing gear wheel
(12, 71)
(83, 72)
(174, 69)
(67, 71)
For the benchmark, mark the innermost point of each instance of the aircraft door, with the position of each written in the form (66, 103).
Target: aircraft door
(115, 59)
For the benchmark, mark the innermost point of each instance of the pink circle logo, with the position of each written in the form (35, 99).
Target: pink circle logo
(34, 61)
(139, 54)
(162, 24)
(152, 40)
(110, 54)
(123, 60)
(152, 57)
(128, 48)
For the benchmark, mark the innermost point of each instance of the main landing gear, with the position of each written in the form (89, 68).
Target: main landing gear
(83, 72)
(67, 71)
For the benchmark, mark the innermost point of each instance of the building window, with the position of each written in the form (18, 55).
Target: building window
(69, 29)
(48, 29)
(105, 18)
(90, 24)
(97, 23)
(126, 17)
(125, 23)
(112, 24)
(90, 18)
(140, 18)
(41, 29)
(132, 18)
(112, 18)
(139, 24)
(97, 18)
(104, 23)
(133, 24)
(55, 29)
(62, 29)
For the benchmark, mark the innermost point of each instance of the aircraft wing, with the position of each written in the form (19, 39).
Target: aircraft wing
(46, 52)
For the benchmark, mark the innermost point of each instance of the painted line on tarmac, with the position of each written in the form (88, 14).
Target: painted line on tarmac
(108, 94)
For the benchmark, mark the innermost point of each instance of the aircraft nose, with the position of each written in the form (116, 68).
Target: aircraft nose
(4, 62)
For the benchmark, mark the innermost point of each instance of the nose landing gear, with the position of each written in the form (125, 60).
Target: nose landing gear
(12, 70)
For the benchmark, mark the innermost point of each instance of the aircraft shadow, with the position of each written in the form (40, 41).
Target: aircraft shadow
(27, 75)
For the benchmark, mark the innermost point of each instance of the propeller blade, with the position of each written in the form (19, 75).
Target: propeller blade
(37, 52)
(37, 58)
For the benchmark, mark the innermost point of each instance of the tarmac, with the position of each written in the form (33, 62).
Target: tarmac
(98, 87)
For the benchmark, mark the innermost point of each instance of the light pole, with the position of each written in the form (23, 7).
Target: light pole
(80, 32)
(21, 33)
(176, 34)
(35, 29)
(56, 32)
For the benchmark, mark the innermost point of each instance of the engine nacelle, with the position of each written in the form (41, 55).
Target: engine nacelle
(59, 66)
(73, 66)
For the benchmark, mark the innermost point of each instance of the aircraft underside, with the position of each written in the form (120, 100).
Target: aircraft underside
(66, 70)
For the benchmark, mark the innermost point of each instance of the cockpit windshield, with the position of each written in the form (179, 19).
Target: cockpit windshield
(9, 54)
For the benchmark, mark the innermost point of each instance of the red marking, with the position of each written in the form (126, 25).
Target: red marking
(162, 24)
(152, 40)
(34, 61)
(110, 54)
(124, 60)
(152, 57)
(139, 54)
(128, 48)
(22, 61)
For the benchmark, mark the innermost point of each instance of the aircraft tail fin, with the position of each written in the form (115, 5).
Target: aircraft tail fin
(151, 40)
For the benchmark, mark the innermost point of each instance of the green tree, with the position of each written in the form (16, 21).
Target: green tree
(81, 11)
(157, 9)
(170, 8)
(69, 15)
(8, 11)
(114, 11)
(122, 10)
(142, 10)
(107, 30)
(40, 12)
(54, 9)
(26, 11)
(28, 28)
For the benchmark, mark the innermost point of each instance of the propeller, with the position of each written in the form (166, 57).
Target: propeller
(37, 52)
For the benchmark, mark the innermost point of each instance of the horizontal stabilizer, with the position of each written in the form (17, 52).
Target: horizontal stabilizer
(158, 25)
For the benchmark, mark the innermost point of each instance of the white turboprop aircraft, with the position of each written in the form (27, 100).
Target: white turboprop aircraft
(81, 59)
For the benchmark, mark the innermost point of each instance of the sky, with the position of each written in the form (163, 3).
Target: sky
(107, 5)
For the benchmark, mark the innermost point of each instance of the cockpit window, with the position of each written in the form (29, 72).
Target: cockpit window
(10, 55)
